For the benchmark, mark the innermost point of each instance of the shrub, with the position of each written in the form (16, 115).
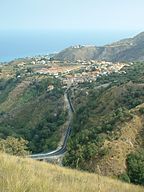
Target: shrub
(124, 177)
(141, 110)
(135, 167)
(14, 146)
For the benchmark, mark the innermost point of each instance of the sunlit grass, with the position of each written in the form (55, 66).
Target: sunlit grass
(26, 175)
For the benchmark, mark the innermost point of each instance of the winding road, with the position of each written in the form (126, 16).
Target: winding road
(62, 149)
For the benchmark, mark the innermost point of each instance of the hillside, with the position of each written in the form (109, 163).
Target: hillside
(30, 110)
(33, 176)
(131, 49)
(109, 123)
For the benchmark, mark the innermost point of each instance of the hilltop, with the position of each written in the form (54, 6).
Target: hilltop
(131, 49)
(33, 176)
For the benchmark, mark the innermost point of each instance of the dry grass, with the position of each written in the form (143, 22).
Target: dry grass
(114, 162)
(14, 95)
(25, 175)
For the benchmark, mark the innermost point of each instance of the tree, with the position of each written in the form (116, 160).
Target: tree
(135, 167)
(29, 70)
(14, 146)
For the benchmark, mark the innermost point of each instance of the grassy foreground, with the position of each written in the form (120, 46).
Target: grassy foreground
(25, 175)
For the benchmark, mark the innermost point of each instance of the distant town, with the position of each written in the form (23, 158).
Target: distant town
(69, 73)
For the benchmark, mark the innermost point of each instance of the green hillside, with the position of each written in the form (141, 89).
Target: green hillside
(109, 122)
(30, 110)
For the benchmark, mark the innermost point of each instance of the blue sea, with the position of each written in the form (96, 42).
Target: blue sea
(19, 44)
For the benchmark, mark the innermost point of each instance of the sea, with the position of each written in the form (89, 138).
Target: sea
(22, 43)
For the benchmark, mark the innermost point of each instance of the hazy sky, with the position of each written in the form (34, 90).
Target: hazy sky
(72, 14)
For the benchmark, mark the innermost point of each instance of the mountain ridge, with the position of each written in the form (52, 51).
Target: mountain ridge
(129, 49)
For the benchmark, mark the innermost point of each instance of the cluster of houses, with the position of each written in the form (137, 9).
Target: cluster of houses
(91, 72)
(74, 73)
(82, 73)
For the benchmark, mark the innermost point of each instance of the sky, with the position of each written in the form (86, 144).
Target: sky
(72, 15)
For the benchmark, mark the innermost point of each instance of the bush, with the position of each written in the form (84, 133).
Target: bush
(135, 167)
(124, 177)
(141, 110)
(14, 146)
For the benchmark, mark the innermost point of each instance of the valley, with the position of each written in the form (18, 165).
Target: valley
(71, 96)
(88, 113)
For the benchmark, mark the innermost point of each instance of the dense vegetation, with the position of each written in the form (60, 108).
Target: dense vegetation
(135, 167)
(30, 110)
(108, 114)
(100, 114)
(133, 72)
(6, 85)
(14, 146)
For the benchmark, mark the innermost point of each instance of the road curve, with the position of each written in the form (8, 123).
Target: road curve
(61, 150)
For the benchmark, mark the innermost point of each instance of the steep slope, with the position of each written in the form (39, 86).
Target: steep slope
(114, 163)
(109, 123)
(29, 110)
(131, 49)
(28, 175)
(79, 53)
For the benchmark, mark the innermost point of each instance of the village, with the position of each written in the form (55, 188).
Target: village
(79, 72)
(70, 73)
